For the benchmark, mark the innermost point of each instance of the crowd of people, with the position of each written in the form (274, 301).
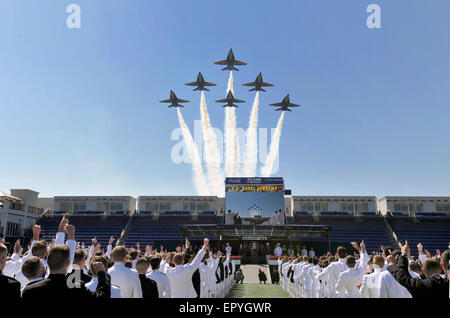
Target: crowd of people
(391, 273)
(63, 268)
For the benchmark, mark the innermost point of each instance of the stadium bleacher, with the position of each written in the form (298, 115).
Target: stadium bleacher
(432, 231)
(86, 227)
(147, 228)
(350, 228)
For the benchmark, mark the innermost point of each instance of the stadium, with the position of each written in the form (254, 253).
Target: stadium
(321, 222)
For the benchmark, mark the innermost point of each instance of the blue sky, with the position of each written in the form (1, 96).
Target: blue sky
(80, 112)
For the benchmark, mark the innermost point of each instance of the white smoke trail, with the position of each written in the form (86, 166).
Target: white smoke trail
(251, 144)
(231, 143)
(212, 154)
(266, 170)
(200, 182)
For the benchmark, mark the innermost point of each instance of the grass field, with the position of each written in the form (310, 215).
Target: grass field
(257, 291)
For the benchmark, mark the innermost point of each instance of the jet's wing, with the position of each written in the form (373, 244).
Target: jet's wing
(249, 84)
(236, 62)
(222, 100)
(276, 104)
(293, 105)
(192, 84)
(208, 84)
(224, 62)
(182, 101)
(266, 84)
(166, 101)
(238, 101)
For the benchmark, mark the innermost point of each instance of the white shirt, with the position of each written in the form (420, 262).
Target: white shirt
(347, 281)
(207, 283)
(127, 280)
(304, 252)
(390, 288)
(180, 277)
(162, 281)
(24, 281)
(92, 286)
(311, 253)
(370, 285)
(228, 249)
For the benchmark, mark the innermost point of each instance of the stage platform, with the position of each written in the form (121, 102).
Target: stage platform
(291, 232)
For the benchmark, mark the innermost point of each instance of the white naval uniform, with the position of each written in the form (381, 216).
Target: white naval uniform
(127, 280)
(390, 288)
(206, 282)
(162, 282)
(370, 284)
(348, 279)
(304, 280)
(180, 277)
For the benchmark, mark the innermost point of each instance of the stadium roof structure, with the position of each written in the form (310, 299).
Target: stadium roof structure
(256, 232)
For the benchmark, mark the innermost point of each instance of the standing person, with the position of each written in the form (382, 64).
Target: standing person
(311, 252)
(433, 286)
(148, 286)
(262, 276)
(268, 252)
(78, 265)
(10, 287)
(239, 276)
(254, 254)
(275, 276)
(56, 286)
(125, 278)
(93, 283)
(160, 278)
(180, 276)
(228, 248)
(304, 251)
(370, 286)
(278, 250)
(349, 279)
(33, 270)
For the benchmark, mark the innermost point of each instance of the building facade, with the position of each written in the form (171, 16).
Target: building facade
(320, 205)
(94, 204)
(414, 206)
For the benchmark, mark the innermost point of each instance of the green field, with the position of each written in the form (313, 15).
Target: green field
(257, 291)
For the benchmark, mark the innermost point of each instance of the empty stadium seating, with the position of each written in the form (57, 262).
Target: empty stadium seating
(351, 228)
(432, 232)
(432, 229)
(86, 227)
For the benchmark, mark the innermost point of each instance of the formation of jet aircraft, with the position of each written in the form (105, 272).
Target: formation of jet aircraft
(230, 62)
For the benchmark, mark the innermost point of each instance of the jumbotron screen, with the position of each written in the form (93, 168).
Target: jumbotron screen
(254, 201)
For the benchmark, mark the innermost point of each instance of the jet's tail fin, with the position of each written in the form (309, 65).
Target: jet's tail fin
(233, 68)
(278, 109)
(206, 89)
(263, 89)
(195, 89)
(253, 89)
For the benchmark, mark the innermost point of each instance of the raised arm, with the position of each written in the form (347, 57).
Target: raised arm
(198, 258)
